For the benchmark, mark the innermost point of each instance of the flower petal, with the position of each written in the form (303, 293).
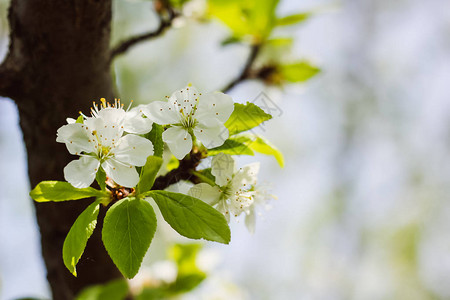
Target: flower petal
(185, 99)
(81, 173)
(205, 192)
(77, 138)
(112, 115)
(133, 150)
(161, 113)
(247, 175)
(211, 137)
(250, 221)
(181, 187)
(136, 122)
(178, 140)
(217, 105)
(123, 174)
(222, 207)
(222, 167)
(107, 134)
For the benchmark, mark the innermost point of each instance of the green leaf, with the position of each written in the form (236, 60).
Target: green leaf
(230, 40)
(251, 17)
(156, 293)
(101, 178)
(148, 174)
(177, 3)
(186, 283)
(62, 191)
(245, 117)
(114, 290)
(293, 19)
(280, 42)
(263, 146)
(191, 217)
(155, 136)
(262, 17)
(78, 236)
(260, 145)
(173, 163)
(231, 147)
(128, 230)
(189, 275)
(298, 72)
(185, 255)
(205, 175)
(80, 119)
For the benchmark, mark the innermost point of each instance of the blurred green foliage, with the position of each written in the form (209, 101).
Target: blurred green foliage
(189, 276)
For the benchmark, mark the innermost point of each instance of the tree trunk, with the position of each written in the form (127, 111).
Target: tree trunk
(57, 65)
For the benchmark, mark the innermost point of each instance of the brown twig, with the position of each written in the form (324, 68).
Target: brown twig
(183, 172)
(164, 24)
(254, 51)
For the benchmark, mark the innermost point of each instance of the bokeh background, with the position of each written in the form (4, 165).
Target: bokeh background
(363, 209)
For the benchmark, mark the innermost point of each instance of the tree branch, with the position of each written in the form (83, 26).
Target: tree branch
(163, 26)
(183, 172)
(245, 74)
(6, 80)
(188, 164)
(10, 68)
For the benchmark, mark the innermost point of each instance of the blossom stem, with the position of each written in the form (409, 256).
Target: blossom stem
(203, 177)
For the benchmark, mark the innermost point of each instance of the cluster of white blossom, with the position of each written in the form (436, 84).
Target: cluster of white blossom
(235, 191)
(112, 139)
(191, 115)
(108, 139)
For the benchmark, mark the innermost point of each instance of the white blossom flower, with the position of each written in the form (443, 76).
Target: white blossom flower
(261, 198)
(100, 141)
(192, 114)
(232, 192)
(132, 120)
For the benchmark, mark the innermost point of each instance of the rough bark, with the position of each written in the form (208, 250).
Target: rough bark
(57, 65)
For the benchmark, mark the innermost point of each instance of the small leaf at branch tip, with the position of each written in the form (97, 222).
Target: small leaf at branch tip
(148, 174)
(80, 232)
(57, 191)
(245, 117)
(74, 265)
(191, 217)
(128, 230)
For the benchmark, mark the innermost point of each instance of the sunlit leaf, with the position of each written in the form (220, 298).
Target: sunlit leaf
(100, 177)
(155, 136)
(80, 119)
(263, 146)
(245, 117)
(114, 290)
(148, 174)
(292, 19)
(254, 18)
(231, 147)
(189, 275)
(260, 145)
(62, 191)
(128, 230)
(191, 217)
(298, 72)
(78, 236)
